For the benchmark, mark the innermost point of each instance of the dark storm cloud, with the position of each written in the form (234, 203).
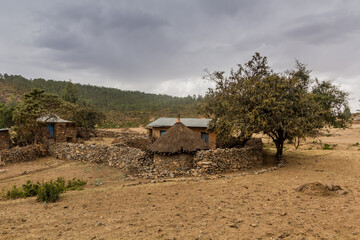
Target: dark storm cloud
(164, 46)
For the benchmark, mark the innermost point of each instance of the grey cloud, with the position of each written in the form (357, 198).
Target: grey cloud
(151, 44)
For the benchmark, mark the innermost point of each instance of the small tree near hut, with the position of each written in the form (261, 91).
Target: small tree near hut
(34, 105)
(284, 106)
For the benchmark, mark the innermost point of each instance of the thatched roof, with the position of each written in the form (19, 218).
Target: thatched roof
(178, 139)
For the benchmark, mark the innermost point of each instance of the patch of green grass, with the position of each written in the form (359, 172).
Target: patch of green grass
(45, 192)
(327, 147)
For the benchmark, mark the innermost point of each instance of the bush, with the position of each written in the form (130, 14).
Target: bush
(75, 184)
(45, 192)
(327, 147)
(49, 192)
(30, 189)
(14, 193)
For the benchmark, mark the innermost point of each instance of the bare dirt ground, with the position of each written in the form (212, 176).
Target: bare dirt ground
(262, 206)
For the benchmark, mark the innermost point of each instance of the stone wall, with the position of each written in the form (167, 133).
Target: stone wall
(135, 140)
(173, 163)
(129, 159)
(23, 154)
(4, 140)
(229, 159)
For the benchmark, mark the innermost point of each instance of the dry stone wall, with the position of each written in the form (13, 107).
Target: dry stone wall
(130, 159)
(229, 159)
(23, 154)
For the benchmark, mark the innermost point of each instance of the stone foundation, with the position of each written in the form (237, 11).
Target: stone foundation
(178, 162)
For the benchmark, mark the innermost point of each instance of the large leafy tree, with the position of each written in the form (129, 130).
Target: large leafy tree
(87, 117)
(284, 106)
(35, 104)
(6, 114)
(231, 104)
(70, 93)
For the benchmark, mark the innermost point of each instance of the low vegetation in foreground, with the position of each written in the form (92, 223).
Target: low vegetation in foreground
(46, 191)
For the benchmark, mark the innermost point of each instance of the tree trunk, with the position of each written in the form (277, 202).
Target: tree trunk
(279, 150)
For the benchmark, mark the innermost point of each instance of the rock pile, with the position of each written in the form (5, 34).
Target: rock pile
(319, 189)
(130, 159)
(23, 154)
(229, 159)
(131, 139)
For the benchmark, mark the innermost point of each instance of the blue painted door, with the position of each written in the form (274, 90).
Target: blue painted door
(50, 128)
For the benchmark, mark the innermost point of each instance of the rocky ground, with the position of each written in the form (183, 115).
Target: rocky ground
(298, 201)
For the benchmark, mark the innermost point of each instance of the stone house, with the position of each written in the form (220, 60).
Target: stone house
(197, 125)
(58, 129)
(174, 150)
(4, 139)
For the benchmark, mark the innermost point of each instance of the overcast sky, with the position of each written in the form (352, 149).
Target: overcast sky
(164, 46)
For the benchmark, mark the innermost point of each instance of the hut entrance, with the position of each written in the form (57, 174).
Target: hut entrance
(51, 130)
(205, 137)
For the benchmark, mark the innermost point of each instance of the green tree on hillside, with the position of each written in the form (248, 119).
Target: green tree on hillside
(6, 114)
(70, 93)
(284, 106)
(35, 104)
(231, 103)
(87, 117)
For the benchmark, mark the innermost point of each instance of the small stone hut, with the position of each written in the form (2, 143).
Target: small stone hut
(174, 150)
(58, 129)
(4, 139)
(198, 125)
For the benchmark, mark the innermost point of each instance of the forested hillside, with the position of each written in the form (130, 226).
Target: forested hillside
(123, 108)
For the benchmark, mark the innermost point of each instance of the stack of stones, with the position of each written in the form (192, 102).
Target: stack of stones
(126, 158)
(229, 159)
(23, 154)
(130, 139)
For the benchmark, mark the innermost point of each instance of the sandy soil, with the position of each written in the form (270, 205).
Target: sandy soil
(262, 206)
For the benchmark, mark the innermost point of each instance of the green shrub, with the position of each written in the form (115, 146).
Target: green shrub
(327, 147)
(30, 189)
(15, 193)
(45, 192)
(49, 192)
(75, 184)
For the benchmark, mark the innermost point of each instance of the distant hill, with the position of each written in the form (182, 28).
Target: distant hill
(123, 108)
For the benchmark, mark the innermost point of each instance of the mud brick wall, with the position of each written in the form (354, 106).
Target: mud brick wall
(23, 154)
(65, 132)
(229, 159)
(127, 158)
(4, 140)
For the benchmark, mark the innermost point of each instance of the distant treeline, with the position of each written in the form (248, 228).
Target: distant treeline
(103, 98)
(122, 108)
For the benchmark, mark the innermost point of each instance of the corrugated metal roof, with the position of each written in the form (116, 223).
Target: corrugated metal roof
(52, 119)
(189, 122)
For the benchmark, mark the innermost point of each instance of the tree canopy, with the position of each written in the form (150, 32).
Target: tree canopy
(34, 105)
(284, 106)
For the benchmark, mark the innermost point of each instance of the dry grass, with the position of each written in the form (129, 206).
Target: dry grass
(235, 207)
